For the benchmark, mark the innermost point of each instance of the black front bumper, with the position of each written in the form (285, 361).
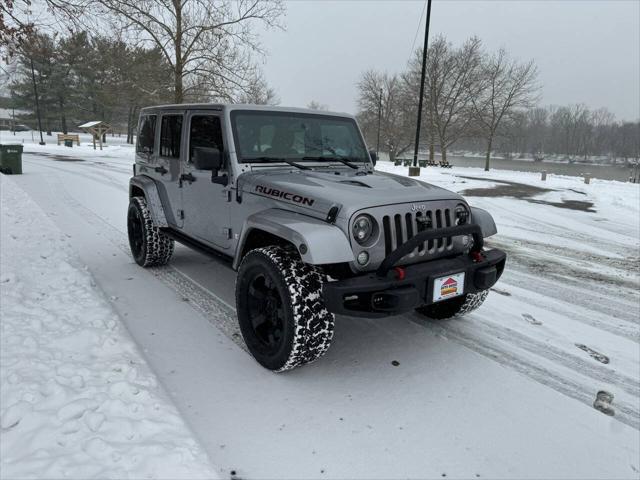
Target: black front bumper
(390, 291)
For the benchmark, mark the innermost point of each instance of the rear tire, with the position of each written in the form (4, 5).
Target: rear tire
(455, 307)
(149, 246)
(283, 319)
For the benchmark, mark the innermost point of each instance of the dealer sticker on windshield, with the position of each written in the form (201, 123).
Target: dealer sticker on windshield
(448, 286)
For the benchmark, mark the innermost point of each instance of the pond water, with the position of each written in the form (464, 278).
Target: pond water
(605, 172)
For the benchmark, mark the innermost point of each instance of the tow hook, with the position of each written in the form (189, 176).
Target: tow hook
(400, 273)
(477, 256)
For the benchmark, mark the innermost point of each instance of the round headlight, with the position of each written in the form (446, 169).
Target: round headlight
(363, 229)
(462, 215)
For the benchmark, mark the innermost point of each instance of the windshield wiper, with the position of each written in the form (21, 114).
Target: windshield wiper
(278, 159)
(333, 159)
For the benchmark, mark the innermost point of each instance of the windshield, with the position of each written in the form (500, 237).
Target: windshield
(301, 137)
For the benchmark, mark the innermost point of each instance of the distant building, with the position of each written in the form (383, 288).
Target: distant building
(7, 119)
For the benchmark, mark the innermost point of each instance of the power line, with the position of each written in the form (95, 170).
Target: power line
(424, 6)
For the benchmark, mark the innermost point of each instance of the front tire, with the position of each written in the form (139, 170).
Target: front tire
(454, 307)
(149, 246)
(283, 319)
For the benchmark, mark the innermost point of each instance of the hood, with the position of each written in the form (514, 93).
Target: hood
(350, 190)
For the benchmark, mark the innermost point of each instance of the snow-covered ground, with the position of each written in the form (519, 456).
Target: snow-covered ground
(78, 400)
(506, 392)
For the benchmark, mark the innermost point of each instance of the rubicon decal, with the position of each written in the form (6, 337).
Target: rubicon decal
(292, 197)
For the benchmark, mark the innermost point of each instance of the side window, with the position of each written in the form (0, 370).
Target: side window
(205, 132)
(170, 135)
(146, 134)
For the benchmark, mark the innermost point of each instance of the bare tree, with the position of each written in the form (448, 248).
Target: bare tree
(506, 86)
(208, 43)
(258, 92)
(453, 77)
(313, 105)
(21, 18)
(14, 25)
(395, 136)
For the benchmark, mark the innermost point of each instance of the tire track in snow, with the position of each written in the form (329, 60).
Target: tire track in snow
(623, 329)
(105, 180)
(597, 372)
(524, 222)
(217, 312)
(622, 309)
(625, 413)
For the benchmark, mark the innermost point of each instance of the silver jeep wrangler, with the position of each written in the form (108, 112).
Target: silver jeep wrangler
(291, 198)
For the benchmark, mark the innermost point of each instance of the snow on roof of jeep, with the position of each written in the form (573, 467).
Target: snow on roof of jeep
(232, 106)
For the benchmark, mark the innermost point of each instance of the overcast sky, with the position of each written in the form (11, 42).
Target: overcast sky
(587, 51)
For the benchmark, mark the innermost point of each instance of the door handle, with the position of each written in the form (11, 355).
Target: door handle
(187, 177)
(161, 170)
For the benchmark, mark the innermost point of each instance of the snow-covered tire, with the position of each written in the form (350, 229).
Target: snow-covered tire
(149, 246)
(283, 319)
(455, 307)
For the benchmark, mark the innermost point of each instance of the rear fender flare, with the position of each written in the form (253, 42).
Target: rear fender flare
(150, 189)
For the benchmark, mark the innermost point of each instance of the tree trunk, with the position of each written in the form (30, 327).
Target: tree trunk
(178, 96)
(130, 125)
(488, 157)
(179, 65)
(432, 139)
(63, 117)
(443, 153)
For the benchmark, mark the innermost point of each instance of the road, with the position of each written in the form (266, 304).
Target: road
(503, 393)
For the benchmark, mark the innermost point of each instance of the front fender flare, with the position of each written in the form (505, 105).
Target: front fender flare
(150, 189)
(325, 243)
(484, 220)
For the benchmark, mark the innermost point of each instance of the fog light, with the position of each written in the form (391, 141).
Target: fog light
(363, 258)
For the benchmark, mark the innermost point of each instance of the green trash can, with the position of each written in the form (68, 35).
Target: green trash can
(68, 143)
(11, 159)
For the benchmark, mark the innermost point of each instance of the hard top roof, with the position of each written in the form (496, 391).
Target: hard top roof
(233, 106)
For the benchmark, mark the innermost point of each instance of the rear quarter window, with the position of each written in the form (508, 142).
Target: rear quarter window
(146, 134)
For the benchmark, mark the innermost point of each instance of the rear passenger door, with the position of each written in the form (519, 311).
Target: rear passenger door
(168, 166)
(206, 203)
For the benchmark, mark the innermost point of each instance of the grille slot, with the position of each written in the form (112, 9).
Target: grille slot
(400, 228)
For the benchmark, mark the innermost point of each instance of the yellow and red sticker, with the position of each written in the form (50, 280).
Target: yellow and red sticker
(448, 286)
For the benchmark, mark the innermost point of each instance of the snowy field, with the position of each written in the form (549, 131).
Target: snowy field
(507, 392)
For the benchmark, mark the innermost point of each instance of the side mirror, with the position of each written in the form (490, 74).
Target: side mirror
(205, 158)
(374, 157)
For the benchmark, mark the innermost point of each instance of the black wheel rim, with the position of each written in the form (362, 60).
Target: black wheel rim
(136, 237)
(266, 312)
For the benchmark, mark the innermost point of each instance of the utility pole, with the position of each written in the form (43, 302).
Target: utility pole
(414, 171)
(35, 93)
(379, 118)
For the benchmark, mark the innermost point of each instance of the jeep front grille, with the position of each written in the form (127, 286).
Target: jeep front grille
(399, 228)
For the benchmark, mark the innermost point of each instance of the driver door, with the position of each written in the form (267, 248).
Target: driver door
(205, 203)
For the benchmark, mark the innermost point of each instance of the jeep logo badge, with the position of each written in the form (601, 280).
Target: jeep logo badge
(415, 207)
